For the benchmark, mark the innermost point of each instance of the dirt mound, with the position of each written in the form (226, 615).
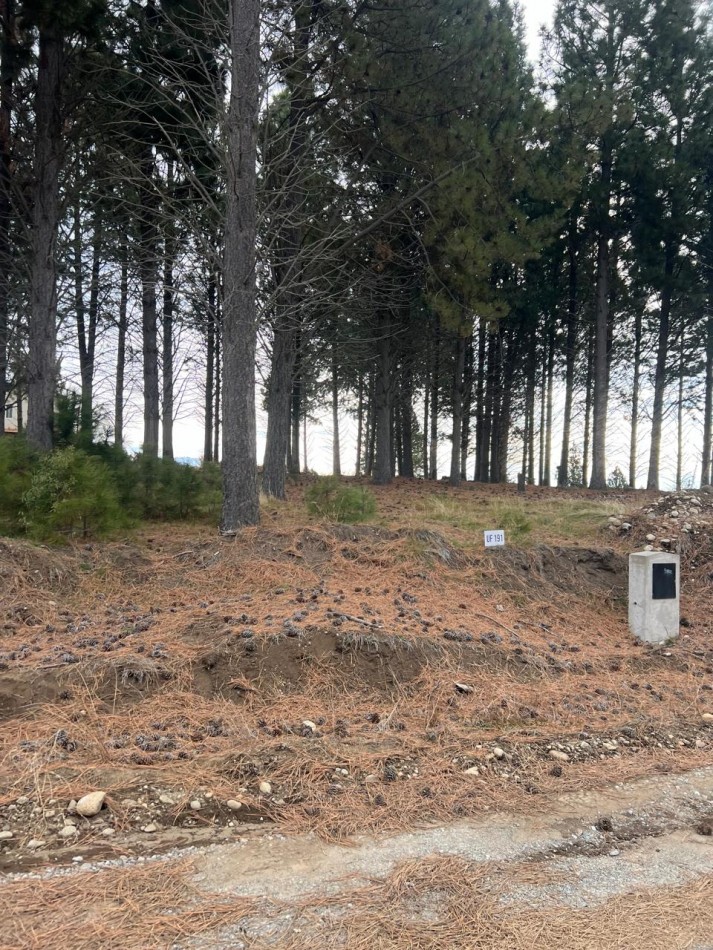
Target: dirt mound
(23, 564)
(571, 570)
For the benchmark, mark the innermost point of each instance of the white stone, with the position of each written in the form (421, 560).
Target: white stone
(265, 788)
(233, 804)
(69, 831)
(473, 770)
(91, 804)
(22, 800)
(196, 805)
(149, 829)
(166, 800)
(35, 843)
(498, 752)
(559, 756)
(108, 832)
(6, 835)
(707, 717)
(653, 621)
(650, 538)
(308, 724)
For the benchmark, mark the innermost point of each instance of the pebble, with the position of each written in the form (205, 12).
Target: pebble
(707, 717)
(6, 835)
(91, 804)
(34, 843)
(196, 805)
(22, 800)
(473, 770)
(265, 788)
(614, 853)
(560, 756)
(233, 804)
(108, 832)
(650, 538)
(498, 752)
(166, 800)
(149, 829)
(308, 724)
(69, 831)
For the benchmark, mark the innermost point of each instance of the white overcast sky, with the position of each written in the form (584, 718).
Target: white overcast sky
(537, 13)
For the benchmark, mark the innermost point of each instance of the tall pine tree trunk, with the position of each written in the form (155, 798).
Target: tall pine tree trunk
(435, 382)
(209, 371)
(457, 404)
(652, 480)
(293, 459)
(169, 298)
(407, 419)
(633, 447)
(336, 454)
(121, 347)
(148, 258)
(679, 419)
(479, 402)
(360, 424)
(707, 462)
(600, 400)
(426, 405)
(383, 403)
(548, 417)
(570, 348)
(467, 407)
(7, 83)
(588, 407)
(217, 431)
(42, 357)
(240, 490)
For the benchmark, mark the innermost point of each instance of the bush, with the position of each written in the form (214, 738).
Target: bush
(329, 498)
(71, 493)
(16, 465)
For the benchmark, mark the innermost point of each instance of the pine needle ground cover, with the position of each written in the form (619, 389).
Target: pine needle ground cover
(338, 678)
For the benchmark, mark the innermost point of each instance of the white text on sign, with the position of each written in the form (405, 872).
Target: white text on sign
(494, 539)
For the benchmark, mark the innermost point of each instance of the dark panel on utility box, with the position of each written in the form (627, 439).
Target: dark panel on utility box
(664, 581)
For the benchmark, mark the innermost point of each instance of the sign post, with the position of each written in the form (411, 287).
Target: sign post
(494, 538)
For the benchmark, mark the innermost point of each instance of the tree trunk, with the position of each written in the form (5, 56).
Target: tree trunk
(543, 412)
(489, 404)
(371, 427)
(635, 400)
(360, 424)
(87, 331)
(652, 481)
(588, 406)
(383, 400)
(169, 298)
(571, 349)
(479, 403)
(679, 420)
(435, 383)
(278, 411)
(121, 348)
(241, 504)
(505, 414)
(7, 82)
(467, 405)
(407, 420)
(336, 455)
(293, 460)
(707, 462)
(548, 418)
(42, 358)
(217, 384)
(530, 428)
(426, 404)
(148, 254)
(457, 403)
(209, 371)
(601, 337)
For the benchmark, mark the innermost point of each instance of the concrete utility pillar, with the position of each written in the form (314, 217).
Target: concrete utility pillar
(654, 584)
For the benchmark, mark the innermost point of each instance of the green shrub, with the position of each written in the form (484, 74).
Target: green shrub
(71, 493)
(16, 465)
(330, 499)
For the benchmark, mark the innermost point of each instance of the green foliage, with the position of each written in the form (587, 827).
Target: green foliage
(165, 490)
(330, 499)
(575, 473)
(71, 493)
(16, 465)
(617, 479)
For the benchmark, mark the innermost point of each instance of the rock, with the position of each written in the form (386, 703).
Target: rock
(626, 526)
(650, 538)
(22, 800)
(233, 804)
(149, 829)
(707, 717)
(6, 835)
(166, 800)
(35, 843)
(308, 724)
(498, 752)
(91, 804)
(559, 756)
(463, 688)
(615, 522)
(265, 788)
(614, 853)
(196, 805)
(69, 831)
(108, 832)
(473, 770)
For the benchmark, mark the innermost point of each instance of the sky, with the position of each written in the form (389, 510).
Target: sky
(537, 13)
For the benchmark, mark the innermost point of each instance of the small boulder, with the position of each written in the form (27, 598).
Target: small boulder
(91, 804)
(233, 804)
